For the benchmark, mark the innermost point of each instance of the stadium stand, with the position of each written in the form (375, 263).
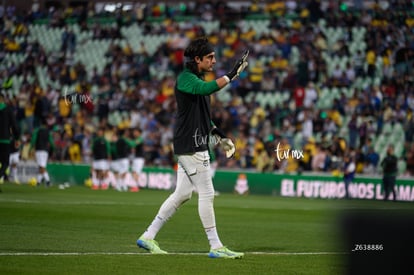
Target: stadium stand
(81, 69)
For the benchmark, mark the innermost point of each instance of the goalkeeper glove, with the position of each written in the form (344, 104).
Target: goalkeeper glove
(228, 146)
(240, 65)
(225, 143)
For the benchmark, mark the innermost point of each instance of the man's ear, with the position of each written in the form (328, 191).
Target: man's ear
(197, 59)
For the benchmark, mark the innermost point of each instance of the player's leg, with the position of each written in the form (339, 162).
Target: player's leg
(385, 181)
(115, 174)
(392, 186)
(44, 165)
(111, 177)
(346, 182)
(122, 168)
(124, 173)
(4, 159)
(14, 160)
(103, 166)
(95, 174)
(182, 193)
(197, 167)
(137, 166)
(39, 161)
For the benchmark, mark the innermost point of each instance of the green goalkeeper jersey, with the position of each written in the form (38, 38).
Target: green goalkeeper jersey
(193, 120)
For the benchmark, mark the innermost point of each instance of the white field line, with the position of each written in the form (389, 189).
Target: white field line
(148, 254)
(74, 202)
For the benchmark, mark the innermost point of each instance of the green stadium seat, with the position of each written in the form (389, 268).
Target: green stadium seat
(387, 128)
(297, 140)
(398, 129)
(398, 149)
(402, 167)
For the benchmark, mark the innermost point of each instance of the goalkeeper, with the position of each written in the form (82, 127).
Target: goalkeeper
(192, 132)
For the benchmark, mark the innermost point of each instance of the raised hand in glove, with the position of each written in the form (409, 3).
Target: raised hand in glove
(240, 65)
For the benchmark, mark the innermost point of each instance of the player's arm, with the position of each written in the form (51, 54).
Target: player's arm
(139, 140)
(13, 126)
(51, 142)
(113, 148)
(216, 131)
(190, 83)
(240, 65)
(34, 139)
(131, 143)
(93, 144)
(225, 143)
(108, 149)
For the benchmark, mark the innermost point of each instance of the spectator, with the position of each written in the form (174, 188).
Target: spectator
(353, 131)
(301, 55)
(74, 152)
(349, 172)
(307, 125)
(311, 95)
(309, 151)
(410, 161)
(318, 161)
(370, 59)
(389, 170)
(299, 96)
(371, 161)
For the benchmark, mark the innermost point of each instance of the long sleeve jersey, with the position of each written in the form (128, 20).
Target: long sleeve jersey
(193, 121)
(42, 139)
(101, 148)
(139, 150)
(8, 125)
(121, 148)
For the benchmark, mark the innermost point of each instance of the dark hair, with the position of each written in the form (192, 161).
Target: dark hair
(198, 47)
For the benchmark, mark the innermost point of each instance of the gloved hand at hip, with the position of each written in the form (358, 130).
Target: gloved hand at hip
(225, 143)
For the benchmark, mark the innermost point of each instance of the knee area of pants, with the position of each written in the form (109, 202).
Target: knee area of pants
(206, 195)
(181, 198)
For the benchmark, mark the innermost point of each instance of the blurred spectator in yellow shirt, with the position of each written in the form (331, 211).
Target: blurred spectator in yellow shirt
(64, 107)
(263, 161)
(309, 151)
(11, 45)
(370, 59)
(279, 63)
(74, 152)
(256, 75)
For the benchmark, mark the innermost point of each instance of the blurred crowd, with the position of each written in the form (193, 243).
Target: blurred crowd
(148, 102)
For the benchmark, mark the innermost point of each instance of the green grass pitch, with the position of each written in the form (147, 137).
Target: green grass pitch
(80, 231)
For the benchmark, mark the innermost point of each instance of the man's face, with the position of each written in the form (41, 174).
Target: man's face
(137, 133)
(206, 63)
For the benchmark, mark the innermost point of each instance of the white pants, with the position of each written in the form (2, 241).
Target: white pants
(122, 166)
(137, 165)
(213, 168)
(14, 158)
(41, 158)
(100, 164)
(193, 171)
